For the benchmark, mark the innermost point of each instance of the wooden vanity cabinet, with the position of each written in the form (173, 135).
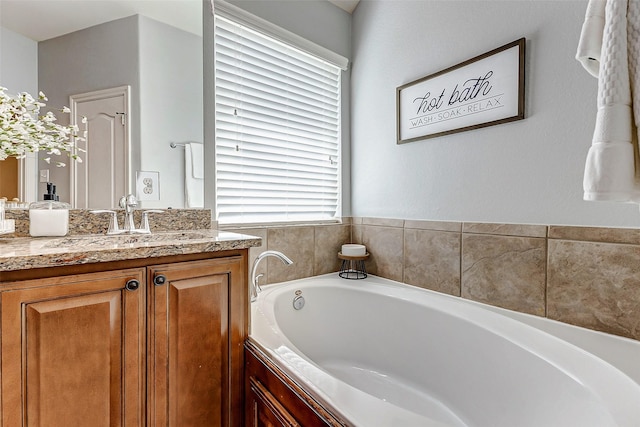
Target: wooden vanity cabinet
(73, 350)
(156, 344)
(195, 346)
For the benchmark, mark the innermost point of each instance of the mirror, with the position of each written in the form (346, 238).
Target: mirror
(154, 48)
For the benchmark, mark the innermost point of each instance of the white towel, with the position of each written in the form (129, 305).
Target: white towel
(610, 171)
(193, 187)
(197, 159)
(590, 44)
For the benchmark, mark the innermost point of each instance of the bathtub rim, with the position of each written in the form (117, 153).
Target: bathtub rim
(611, 348)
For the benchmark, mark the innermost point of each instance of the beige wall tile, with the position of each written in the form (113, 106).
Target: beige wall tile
(588, 283)
(356, 233)
(432, 260)
(328, 242)
(385, 244)
(524, 230)
(298, 243)
(505, 271)
(595, 285)
(595, 234)
(384, 222)
(255, 251)
(434, 225)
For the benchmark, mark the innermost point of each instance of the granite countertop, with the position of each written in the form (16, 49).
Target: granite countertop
(20, 253)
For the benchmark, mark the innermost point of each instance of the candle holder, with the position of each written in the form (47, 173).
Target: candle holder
(353, 267)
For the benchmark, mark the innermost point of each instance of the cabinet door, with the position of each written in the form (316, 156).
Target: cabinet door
(265, 410)
(197, 325)
(73, 351)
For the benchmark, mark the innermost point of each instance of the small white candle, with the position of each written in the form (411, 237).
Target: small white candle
(354, 250)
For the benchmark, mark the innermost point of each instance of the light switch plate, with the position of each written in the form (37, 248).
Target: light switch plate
(148, 185)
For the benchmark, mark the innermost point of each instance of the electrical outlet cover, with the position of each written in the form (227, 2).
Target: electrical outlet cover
(44, 175)
(148, 185)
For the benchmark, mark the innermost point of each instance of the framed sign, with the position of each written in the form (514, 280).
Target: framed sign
(483, 91)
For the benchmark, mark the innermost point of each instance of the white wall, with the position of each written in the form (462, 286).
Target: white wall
(19, 73)
(170, 104)
(527, 171)
(18, 63)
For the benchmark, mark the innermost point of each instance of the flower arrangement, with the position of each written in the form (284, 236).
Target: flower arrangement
(23, 130)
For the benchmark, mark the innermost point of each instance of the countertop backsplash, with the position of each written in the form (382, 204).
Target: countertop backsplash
(82, 221)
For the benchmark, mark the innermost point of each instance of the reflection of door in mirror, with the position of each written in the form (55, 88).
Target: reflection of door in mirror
(103, 175)
(9, 178)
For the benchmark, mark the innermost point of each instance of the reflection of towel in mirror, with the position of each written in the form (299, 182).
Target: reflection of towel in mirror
(610, 171)
(194, 175)
(197, 159)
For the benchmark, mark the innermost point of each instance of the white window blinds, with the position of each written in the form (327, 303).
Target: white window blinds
(277, 130)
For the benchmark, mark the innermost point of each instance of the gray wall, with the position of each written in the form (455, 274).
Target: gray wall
(528, 171)
(95, 58)
(163, 66)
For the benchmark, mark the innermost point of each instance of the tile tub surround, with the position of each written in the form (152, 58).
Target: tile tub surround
(506, 271)
(82, 221)
(586, 276)
(312, 248)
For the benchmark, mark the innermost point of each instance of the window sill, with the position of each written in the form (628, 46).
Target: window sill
(240, 226)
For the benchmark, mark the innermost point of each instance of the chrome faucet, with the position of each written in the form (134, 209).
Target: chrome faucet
(128, 203)
(255, 287)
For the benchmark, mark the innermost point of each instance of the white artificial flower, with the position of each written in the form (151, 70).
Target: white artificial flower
(23, 130)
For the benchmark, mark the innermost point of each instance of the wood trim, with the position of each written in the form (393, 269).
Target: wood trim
(271, 403)
(260, 366)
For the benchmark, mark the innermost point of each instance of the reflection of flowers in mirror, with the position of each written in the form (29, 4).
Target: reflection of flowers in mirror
(23, 130)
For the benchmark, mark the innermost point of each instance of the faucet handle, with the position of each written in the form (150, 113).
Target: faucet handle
(257, 280)
(113, 220)
(144, 223)
(128, 202)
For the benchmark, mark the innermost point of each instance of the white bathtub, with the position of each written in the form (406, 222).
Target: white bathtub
(386, 354)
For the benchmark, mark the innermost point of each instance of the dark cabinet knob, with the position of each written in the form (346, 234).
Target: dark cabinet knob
(159, 280)
(132, 285)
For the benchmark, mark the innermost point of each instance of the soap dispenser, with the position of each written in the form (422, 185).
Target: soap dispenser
(49, 217)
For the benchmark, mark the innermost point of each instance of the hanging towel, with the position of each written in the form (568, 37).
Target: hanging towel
(590, 43)
(610, 171)
(197, 159)
(193, 186)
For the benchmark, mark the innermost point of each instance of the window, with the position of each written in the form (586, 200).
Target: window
(277, 130)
